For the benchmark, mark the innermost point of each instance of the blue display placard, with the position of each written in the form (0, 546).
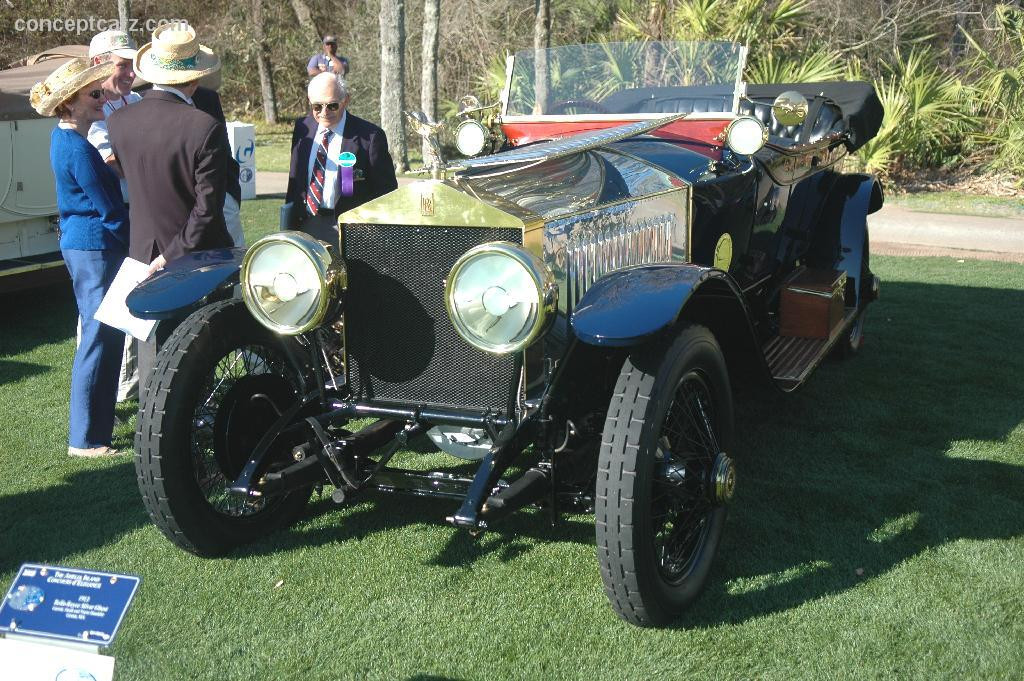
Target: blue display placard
(67, 603)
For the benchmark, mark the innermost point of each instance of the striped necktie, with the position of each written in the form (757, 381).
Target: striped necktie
(315, 194)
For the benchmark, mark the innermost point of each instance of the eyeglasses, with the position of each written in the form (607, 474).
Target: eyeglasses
(95, 94)
(331, 106)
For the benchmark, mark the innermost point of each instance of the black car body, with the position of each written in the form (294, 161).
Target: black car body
(575, 307)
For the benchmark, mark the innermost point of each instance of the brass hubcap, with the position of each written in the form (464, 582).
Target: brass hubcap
(724, 479)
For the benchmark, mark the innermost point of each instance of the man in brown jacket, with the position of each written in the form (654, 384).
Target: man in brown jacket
(175, 159)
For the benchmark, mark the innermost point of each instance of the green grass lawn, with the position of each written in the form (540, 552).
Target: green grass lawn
(877, 530)
(959, 203)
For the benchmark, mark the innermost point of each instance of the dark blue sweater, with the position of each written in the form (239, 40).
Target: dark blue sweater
(92, 212)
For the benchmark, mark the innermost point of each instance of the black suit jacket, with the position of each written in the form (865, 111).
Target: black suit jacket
(174, 158)
(209, 101)
(362, 138)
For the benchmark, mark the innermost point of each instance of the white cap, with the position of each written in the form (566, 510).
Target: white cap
(116, 42)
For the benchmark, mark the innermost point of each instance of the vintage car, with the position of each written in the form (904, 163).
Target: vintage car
(29, 251)
(571, 312)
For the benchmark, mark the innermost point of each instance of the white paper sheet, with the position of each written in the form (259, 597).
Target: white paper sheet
(114, 312)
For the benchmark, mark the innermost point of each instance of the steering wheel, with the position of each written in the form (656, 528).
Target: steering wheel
(560, 107)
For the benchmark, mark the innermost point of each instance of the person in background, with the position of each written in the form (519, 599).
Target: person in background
(118, 49)
(338, 162)
(207, 99)
(175, 159)
(329, 61)
(93, 240)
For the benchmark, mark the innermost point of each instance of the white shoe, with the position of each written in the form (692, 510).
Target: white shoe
(94, 452)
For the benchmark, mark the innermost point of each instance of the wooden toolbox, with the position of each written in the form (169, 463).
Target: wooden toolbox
(812, 303)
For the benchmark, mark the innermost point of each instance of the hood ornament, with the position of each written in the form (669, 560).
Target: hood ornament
(430, 131)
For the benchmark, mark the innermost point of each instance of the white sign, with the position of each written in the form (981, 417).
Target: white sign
(22, 660)
(242, 137)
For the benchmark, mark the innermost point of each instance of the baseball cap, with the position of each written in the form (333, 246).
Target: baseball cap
(330, 39)
(116, 42)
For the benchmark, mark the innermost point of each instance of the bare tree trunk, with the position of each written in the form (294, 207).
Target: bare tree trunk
(428, 74)
(541, 41)
(124, 14)
(392, 79)
(656, 28)
(305, 17)
(263, 64)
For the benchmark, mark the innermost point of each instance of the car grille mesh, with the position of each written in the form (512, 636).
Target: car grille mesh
(400, 344)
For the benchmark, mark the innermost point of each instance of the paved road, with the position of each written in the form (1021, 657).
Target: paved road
(894, 230)
(899, 231)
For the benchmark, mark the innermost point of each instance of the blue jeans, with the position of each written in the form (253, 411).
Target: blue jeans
(98, 358)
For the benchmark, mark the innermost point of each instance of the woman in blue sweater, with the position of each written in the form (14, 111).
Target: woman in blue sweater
(93, 240)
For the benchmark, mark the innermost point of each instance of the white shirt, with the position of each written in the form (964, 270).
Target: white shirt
(174, 90)
(331, 167)
(98, 136)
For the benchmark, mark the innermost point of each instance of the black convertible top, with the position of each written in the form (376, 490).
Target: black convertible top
(862, 111)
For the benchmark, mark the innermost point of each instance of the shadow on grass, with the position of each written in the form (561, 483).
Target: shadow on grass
(92, 508)
(377, 511)
(854, 474)
(37, 317)
(11, 372)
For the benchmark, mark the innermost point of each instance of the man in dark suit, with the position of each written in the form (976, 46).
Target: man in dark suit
(339, 161)
(175, 159)
(208, 100)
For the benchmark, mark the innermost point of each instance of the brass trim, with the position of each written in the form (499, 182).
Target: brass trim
(732, 124)
(543, 279)
(452, 207)
(723, 252)
(330, 270)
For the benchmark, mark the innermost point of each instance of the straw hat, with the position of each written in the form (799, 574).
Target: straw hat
(175, 56)
(64, 82)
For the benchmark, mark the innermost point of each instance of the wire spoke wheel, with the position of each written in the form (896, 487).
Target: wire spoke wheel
(220, 383)
(664, 477)
(687, 450)
(246, 390)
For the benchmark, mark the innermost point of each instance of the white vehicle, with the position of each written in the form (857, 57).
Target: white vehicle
(29, 249)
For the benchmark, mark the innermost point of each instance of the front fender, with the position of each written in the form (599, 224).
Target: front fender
(627, 307)
(185, 282)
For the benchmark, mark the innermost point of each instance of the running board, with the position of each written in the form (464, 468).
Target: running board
(792, 359)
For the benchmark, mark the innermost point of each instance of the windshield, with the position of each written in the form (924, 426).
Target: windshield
(626, 78)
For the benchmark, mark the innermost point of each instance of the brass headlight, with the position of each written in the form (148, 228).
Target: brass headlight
(746, 135)
(290, 282)
(500, 298)
(470, 137)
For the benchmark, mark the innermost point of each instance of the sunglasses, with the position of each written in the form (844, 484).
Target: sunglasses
(95, 94)
(331, 106)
